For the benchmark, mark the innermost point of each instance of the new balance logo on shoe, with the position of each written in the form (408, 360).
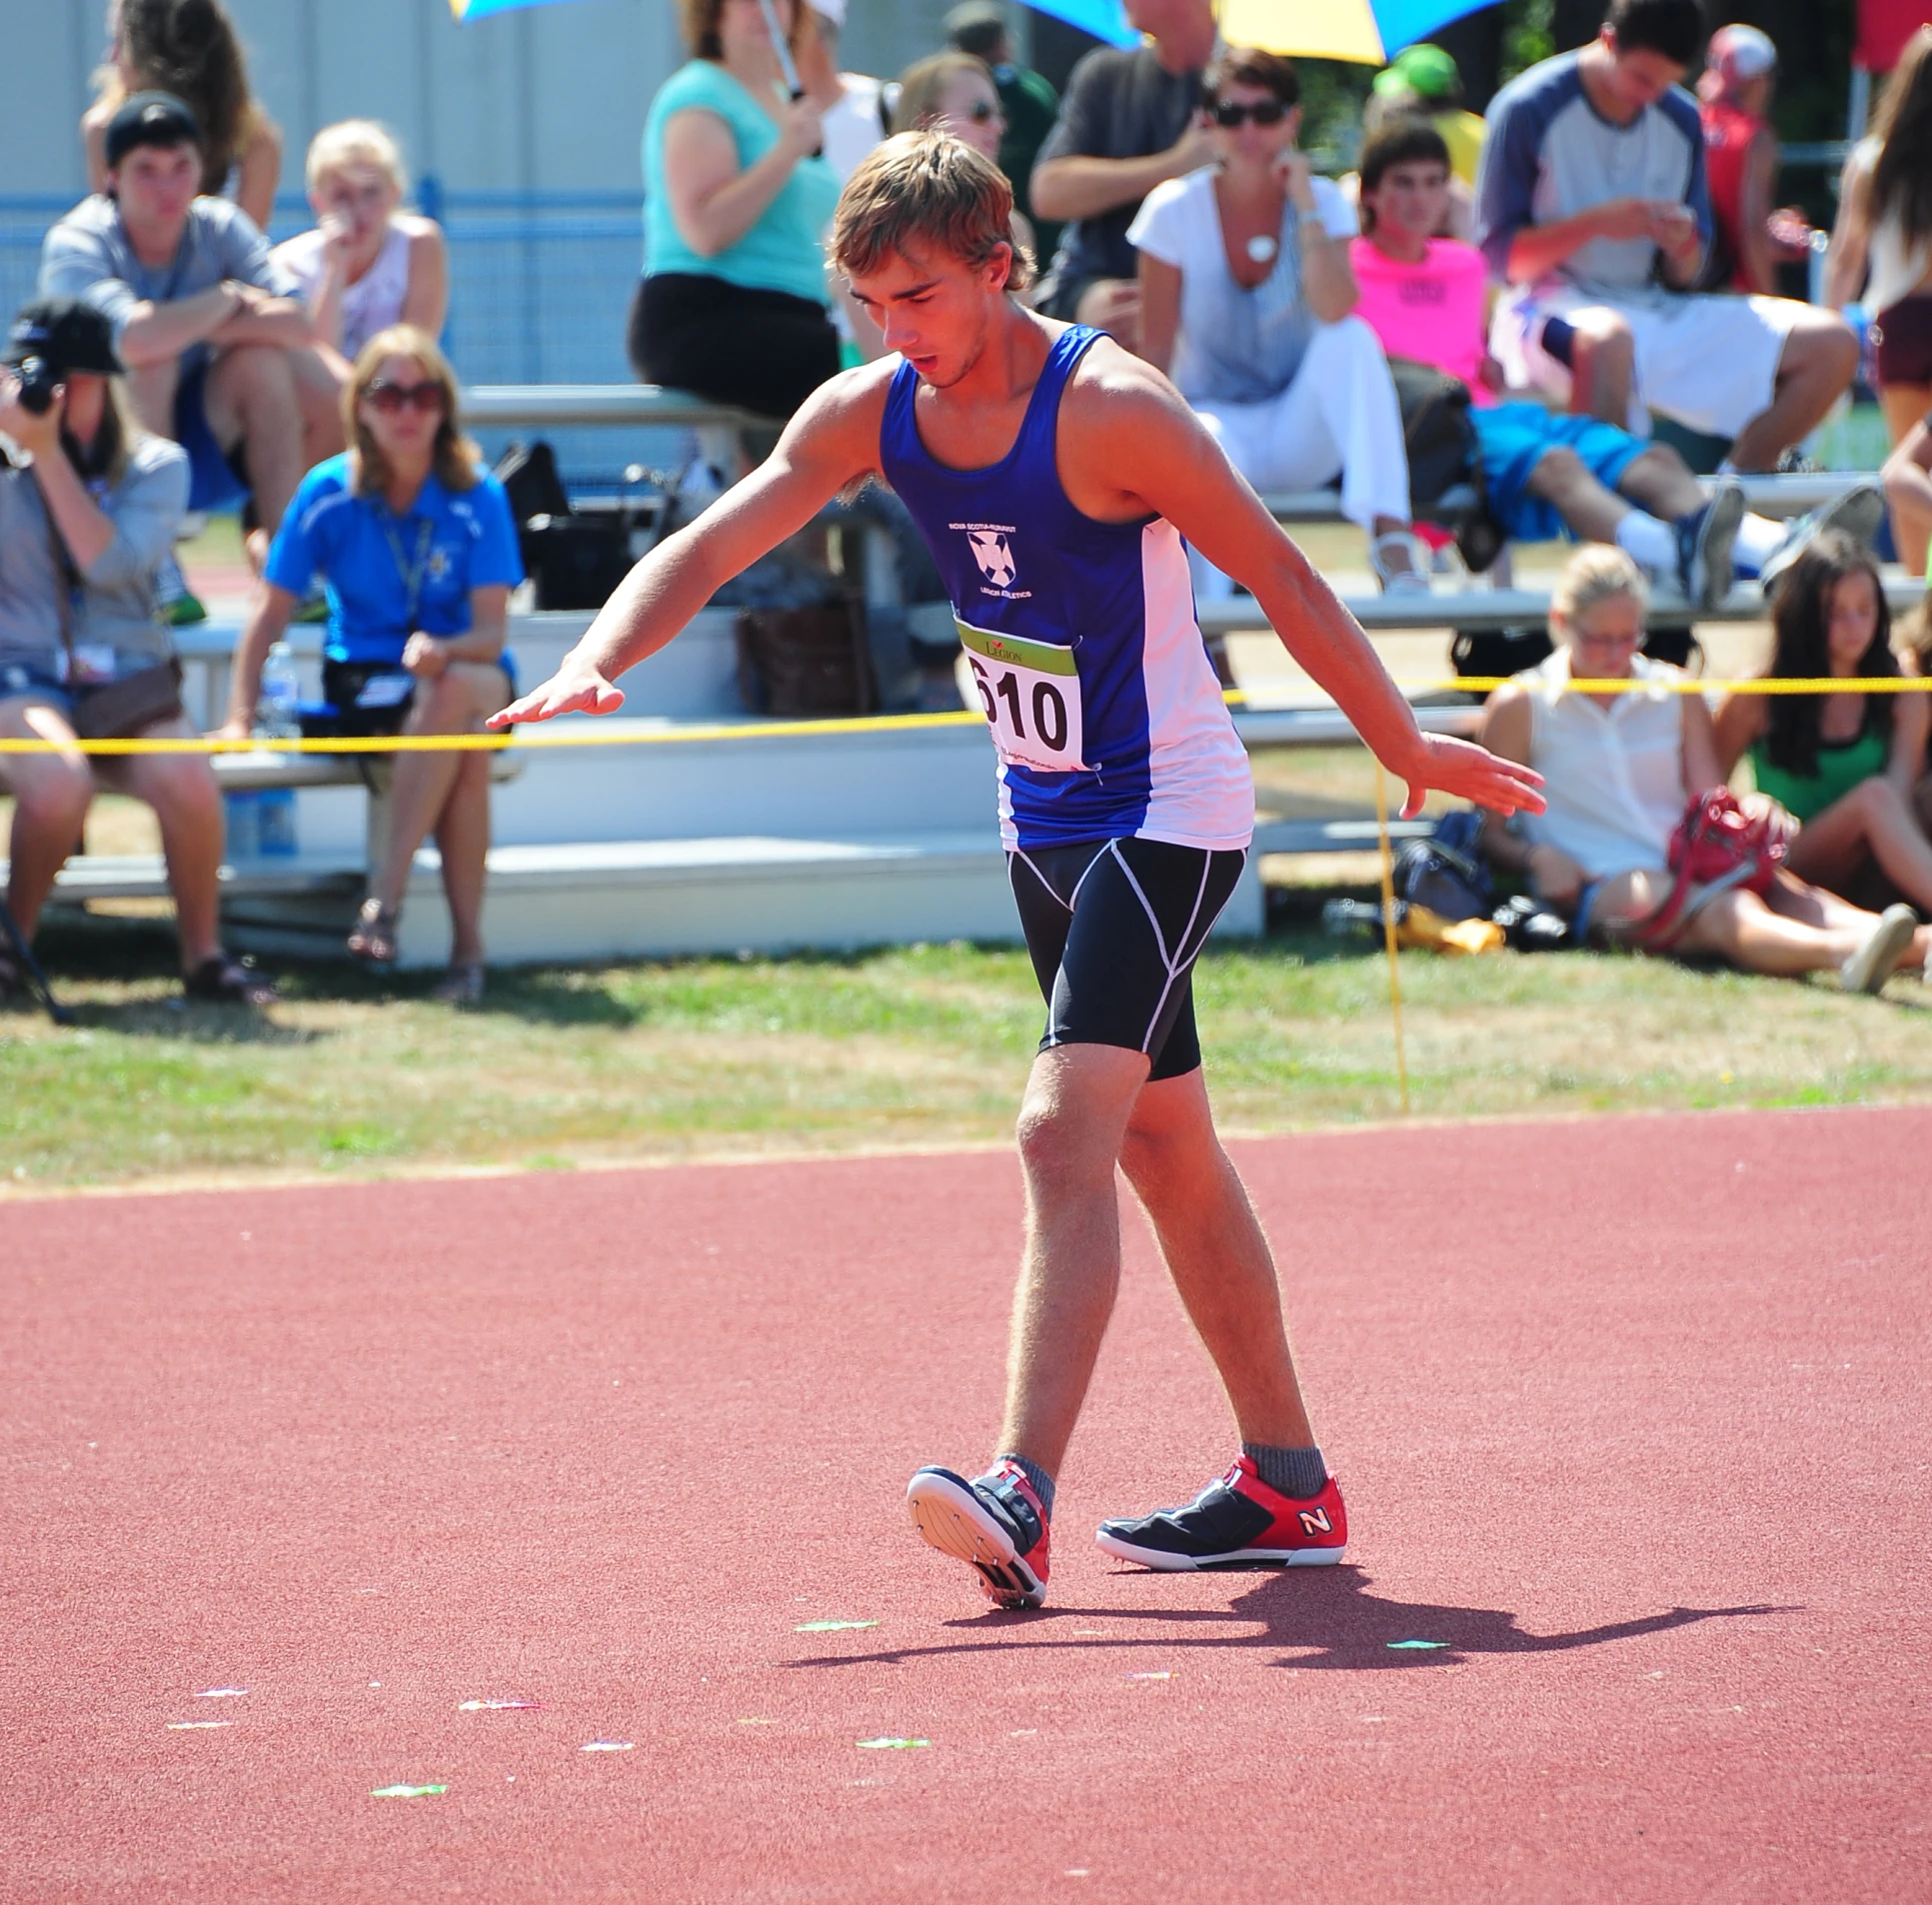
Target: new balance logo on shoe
(1316, 1521)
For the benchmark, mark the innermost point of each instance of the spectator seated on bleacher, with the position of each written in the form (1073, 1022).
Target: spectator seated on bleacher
(1845, 769)
(189, 48)
(415, 544)
(1246, 296)
(1545, 473)
(953, 92)
(89, 505)
(1618, 770)
(222, 356)
(734, 303)
(1130, 121)
(368, 264)
(1423, 82)
(1592, 205)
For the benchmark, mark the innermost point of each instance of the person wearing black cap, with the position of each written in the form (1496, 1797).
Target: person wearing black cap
(89, 505)
(1026, 98)
(221, 353)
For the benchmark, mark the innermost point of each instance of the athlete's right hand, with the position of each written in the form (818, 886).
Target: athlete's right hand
(576, 688)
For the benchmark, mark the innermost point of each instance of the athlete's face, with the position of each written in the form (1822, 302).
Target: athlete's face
(934, 308)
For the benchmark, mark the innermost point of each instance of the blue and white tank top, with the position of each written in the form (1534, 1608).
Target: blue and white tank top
(1082, 638)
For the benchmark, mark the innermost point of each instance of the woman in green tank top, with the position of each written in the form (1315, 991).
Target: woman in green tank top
(1844, 767)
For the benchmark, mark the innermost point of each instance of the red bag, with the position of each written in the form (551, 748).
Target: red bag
(1716, 847)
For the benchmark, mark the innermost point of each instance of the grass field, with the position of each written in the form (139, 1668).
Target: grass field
(921, 1045)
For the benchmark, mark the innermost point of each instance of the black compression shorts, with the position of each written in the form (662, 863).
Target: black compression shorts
(1114, 928)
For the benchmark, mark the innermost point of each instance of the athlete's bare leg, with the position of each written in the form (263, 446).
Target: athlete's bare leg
(1215, 1250)
(1072, 1121)
(1086, 1109)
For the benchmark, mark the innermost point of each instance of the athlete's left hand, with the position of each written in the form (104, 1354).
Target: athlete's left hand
(1473, 773)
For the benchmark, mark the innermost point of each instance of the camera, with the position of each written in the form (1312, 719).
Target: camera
(37, 385)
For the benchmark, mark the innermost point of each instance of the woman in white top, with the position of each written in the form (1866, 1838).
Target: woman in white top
(1618, 770)
(1245, 295)
(368, 265)
(1883, 238)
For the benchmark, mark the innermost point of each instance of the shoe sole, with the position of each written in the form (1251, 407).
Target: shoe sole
(950, 1519)
(1164, 1563)
(1856, 514)
(1878, 959)
(1715, 544)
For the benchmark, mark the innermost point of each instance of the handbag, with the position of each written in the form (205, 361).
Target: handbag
(1444, 465)
(118, 710)
(796, 662)
(1715, 847)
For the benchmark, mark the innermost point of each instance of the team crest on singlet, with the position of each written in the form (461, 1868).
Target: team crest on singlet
(993, 555)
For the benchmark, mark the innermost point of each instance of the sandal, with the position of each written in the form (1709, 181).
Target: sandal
(373, 937)
(220, 981)
(462, 984)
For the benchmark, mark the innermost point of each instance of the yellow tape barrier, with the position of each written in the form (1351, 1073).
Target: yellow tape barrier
(597, 734)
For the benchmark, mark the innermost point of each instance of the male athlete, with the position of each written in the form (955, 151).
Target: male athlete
(1054, 477)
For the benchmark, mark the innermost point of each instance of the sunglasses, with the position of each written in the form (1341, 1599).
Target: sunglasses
(393, 399)
(1264, 112)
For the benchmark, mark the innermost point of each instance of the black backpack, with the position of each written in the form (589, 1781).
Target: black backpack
(1444, 470)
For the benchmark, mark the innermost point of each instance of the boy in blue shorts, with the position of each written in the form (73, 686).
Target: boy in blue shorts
(1054, 477)
(1548, 472)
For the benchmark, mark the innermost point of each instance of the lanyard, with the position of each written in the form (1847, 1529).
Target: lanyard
(410, 573)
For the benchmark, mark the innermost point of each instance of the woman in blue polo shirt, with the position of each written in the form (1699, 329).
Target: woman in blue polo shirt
(417, 549)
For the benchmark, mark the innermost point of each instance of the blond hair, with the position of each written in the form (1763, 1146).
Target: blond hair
(922, 87)
(1596, 572)
(455, 458)
(929, 187)
(357, 142)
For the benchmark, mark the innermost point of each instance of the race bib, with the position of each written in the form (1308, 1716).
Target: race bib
(1030, 691)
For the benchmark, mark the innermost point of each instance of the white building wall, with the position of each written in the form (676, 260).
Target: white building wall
(550, 98)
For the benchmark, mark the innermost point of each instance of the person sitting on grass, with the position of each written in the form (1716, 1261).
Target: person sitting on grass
(1842, 767)
(222, 357)
(368, 264)
(1245, 302)
(1619, 770)
(414, 542)
(1545, 472)
(88, 514)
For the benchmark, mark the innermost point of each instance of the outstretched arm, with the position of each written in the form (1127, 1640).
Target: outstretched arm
(1140, 424)
(831, 442)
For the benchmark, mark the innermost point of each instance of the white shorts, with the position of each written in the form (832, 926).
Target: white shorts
(1709, 362)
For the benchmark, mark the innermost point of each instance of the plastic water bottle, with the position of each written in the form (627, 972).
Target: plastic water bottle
(278, 710)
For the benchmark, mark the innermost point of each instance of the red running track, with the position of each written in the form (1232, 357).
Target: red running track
(1644, 1447)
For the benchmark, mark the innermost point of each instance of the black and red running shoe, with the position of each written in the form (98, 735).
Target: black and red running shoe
(994, 1524)
(1237, 1522)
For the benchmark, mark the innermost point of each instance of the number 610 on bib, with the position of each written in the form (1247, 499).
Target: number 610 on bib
(1030, 691)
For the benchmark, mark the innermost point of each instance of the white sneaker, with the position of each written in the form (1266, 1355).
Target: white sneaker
(1856, 514)
(1877, 958)
(1394, 578)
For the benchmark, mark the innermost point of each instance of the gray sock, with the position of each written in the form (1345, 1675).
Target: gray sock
(1297, 1473)
(1041, 1482)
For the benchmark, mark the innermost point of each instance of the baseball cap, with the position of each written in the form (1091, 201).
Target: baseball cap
(1741, 53)
(976, 26)
(150, 119)
(66, 336)
(1424, 70)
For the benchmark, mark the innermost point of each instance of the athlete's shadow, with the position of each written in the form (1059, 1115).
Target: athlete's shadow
(1308, 1618)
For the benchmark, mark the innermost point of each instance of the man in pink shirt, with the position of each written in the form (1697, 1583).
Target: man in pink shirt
(1544, 473)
